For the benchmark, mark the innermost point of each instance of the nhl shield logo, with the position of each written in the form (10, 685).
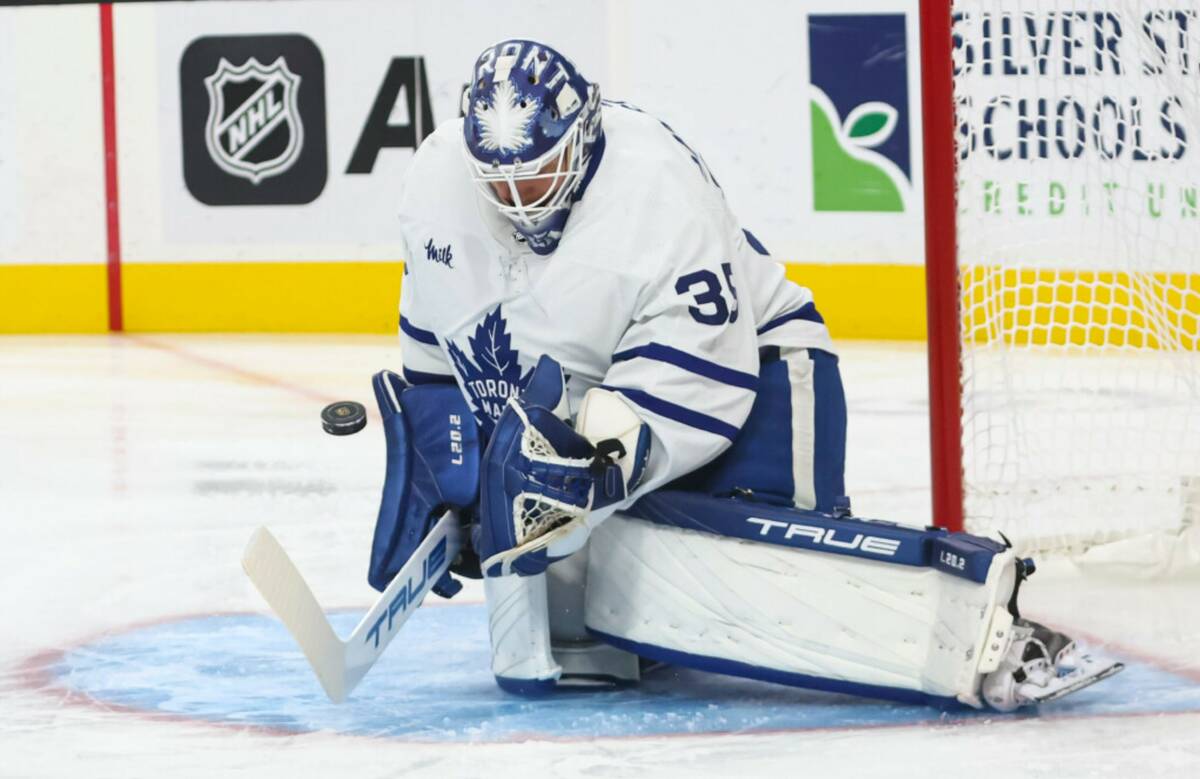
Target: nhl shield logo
(254, 128)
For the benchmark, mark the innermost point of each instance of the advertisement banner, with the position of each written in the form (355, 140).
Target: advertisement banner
(283, 130)
(1079, 127)
(260, 146)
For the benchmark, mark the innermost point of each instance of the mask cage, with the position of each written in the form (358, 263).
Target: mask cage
(568, 168)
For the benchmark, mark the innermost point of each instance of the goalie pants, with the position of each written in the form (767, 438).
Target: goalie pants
(792, 447)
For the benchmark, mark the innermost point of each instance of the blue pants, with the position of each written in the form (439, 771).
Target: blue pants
(792, 448)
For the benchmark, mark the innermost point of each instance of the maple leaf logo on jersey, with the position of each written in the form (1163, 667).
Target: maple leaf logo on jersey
(505, 123)
(495, 374)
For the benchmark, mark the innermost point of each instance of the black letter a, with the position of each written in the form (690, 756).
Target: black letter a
(407, 73)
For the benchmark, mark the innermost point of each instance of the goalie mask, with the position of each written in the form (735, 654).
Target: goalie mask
(531, 128)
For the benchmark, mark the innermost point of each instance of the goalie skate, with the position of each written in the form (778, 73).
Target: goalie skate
(1041, 666)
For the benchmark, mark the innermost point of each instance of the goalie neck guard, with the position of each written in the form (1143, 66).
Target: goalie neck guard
(531, 127)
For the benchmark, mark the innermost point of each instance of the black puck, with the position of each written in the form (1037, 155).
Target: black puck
(344, 417)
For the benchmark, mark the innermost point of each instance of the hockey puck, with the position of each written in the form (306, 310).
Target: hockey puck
(344, 417)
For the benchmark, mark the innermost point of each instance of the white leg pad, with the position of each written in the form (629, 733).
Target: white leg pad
(519, 628)
(796, 615)
(539, 641)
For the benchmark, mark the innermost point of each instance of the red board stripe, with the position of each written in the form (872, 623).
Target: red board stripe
(109, 88)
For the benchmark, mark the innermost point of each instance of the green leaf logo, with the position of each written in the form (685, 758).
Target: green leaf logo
(869, 125)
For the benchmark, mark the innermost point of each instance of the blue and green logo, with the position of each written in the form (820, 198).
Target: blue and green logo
(858, 67)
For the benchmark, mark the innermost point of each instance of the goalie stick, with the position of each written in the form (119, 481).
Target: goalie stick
(341, 664)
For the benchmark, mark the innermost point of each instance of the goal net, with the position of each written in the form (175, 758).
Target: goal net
(1077, 138)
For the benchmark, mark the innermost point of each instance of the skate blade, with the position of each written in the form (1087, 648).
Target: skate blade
(1085, 676)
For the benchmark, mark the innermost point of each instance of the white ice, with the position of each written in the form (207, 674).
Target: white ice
(134, 468)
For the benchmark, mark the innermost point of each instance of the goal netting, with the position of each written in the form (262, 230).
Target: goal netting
(1078, 223)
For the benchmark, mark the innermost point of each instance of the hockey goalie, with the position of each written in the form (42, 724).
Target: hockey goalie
(640, 423)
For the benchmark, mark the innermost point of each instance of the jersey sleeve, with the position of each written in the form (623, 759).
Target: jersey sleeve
(689, 361)
(420, 353)
(785, 313)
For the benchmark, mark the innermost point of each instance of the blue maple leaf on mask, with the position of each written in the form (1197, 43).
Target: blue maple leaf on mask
(495, 374)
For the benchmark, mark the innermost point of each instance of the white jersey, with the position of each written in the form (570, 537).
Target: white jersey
(654, 291)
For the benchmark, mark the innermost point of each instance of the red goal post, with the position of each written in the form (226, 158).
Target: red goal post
(941, 263)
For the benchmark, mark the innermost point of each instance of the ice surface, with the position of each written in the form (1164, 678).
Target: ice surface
(133, 469)
(239, 669)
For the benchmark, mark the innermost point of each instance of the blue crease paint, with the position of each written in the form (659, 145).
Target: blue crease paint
(435, 684)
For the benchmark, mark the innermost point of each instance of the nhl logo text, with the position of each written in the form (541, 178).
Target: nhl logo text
(253, 119)
(234, 132)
